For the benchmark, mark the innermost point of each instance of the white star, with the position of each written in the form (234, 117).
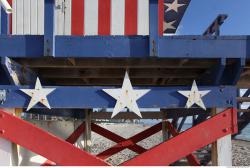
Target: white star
(168, 25)
(39, 94)
(194, 96)
(126, 97)
(173, 6)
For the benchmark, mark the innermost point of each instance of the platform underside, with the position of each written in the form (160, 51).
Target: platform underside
(110, 71)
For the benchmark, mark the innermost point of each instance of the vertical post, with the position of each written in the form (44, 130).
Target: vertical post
(222, 148)
(49, 28)
(164, 126)
(153, 27)
(4, 29)
(7, 155)
(87, 132)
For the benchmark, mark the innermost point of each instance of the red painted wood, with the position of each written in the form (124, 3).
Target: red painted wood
(192, 160)
(43, 143)
(104, 17)
(131, 14)
(10, 18)
(187, 142)
(161, 16)
(126, 143)
(71, 139)
(77, 17)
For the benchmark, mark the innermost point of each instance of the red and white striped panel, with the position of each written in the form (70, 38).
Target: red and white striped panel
(110, 17)
(84, 17)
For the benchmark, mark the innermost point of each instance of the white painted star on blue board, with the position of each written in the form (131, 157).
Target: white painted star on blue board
(126, 97)
(38, 94)
(195, 96)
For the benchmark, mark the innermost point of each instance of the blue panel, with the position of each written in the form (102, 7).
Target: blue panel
(153, 27)
(94, 97)
(4, 21)
(203, 47)
(49, 27)
(21, 46)
(97, 46)
(127, 47)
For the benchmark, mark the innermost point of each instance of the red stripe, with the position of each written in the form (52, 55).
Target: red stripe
(104, 15)
(131, 10)
(10, 18)
(161, 16)
(77, 17)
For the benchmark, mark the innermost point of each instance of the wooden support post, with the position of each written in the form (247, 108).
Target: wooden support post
(222, 148)
(164, 126)
(8, 152)
(87, 133)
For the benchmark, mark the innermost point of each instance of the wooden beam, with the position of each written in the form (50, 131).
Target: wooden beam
(8, 152)
(110, 73)
(222, 148)
(115, 63)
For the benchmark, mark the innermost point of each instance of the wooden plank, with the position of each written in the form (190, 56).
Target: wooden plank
(116, 63)
(222, 148)
(26, 17)
(87, 132)
(67, 21)
(7, 157)
(34, 17)
(59, 17)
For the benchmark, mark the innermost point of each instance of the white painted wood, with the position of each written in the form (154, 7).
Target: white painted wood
(143, 17)
(117, 17)
(222, 148)
(59, 17)
(14, 17)
(91, 17)
(26, 17)
(126, 97)
(19, 11)
(7, 157)
(40, 17)
(67, 22)
(34, 17)
(5, 152)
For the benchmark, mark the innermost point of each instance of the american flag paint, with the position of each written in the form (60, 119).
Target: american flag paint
(98, 17)
(173, 13)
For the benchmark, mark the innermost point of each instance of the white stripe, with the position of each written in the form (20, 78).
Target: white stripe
(14, 19)
(33, 17)
(26, 15)
(40, 17)
(117, 17)
(67, 21)
(19, 14)
(91, 17)
(59, 17)
(143, 17)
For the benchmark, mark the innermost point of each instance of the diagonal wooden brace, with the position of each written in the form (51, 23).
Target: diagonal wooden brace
(180, 146)
(123, 143)
(43, 143)
(71, 139)
(192, 160)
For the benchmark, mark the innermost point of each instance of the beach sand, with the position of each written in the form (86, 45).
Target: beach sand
(241, 149)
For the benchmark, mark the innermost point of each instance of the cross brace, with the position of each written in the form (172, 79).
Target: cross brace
(64, 153)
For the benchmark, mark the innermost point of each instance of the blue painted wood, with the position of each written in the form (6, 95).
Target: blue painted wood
(49, 28)
(94, 97)
(4, 21)
(127, 47)
(153, 27)
(232, 72)
(21, 46)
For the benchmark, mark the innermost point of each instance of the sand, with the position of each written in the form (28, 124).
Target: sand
(241, 149)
